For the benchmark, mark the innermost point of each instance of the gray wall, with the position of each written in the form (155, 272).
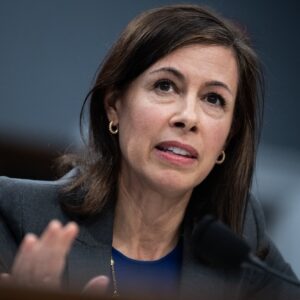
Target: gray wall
(50, 50)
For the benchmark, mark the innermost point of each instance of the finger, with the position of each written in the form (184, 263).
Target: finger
(49, 247)
(52, 249)
(70, 231)
(96, 286)
(40, 262)
(22, 266)
(59, 238)
(57, 241)
(51, 233)
(28, 259)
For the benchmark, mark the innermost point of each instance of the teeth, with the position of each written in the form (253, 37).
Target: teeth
(178, 151)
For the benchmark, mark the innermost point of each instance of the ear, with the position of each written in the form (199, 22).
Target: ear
(111, 104)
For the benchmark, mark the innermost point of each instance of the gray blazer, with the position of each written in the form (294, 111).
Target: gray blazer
(28, 206)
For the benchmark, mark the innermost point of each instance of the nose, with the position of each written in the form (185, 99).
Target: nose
(186, 116)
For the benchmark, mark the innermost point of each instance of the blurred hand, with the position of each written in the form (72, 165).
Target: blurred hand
(40, 261)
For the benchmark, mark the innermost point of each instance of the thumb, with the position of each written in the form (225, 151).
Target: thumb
(96, 286)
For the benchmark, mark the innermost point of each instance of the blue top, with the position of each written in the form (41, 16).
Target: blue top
(159, 277)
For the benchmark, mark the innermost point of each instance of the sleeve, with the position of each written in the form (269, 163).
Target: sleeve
(26, 206)
(10, 223)
(8, 247)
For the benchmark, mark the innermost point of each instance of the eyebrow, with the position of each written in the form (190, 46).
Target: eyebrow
(179, 75)
(173, 71)
(218, 84)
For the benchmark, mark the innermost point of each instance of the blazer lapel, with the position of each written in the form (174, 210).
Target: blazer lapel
(91, 252)
(200, 280)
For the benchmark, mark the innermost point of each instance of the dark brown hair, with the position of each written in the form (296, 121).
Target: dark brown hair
(146, 39)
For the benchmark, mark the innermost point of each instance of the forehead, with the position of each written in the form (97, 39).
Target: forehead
(203, 62)
(194, 56)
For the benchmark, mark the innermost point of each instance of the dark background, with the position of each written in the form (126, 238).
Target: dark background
(50, 51)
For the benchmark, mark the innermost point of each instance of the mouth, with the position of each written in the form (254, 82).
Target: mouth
(176, 148)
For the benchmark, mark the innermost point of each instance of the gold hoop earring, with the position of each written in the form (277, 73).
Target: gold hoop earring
(221, 158)
(113, 129)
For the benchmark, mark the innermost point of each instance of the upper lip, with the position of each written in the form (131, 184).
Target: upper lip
(191, 150)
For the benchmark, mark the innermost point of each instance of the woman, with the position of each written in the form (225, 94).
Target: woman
(174, 116)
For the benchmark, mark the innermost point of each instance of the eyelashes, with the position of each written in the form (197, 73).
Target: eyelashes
(167, 86)
(215, 99)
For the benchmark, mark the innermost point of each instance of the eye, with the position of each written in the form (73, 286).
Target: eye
(165, 85)
(215, 99)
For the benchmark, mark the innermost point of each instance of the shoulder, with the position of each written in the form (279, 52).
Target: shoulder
(255, 233)
(16, 189)
(24, 192)
(25, 204)
(13, 190)
(15, 186)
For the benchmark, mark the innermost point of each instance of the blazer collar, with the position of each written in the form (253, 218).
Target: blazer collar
(91, 252)
(198, 280)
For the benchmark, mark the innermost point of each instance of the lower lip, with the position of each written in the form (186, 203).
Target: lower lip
(174, 158)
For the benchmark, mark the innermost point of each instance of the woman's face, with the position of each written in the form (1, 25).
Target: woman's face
(174, 118)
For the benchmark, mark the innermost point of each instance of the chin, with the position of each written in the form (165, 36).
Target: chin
(174, 184)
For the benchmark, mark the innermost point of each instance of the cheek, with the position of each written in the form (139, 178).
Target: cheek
(216, 136)
(141, 120)
(138, 129)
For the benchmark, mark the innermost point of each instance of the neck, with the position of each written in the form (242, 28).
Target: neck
(147, 224)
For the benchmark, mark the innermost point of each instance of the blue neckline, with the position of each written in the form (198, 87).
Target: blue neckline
(168, 256)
